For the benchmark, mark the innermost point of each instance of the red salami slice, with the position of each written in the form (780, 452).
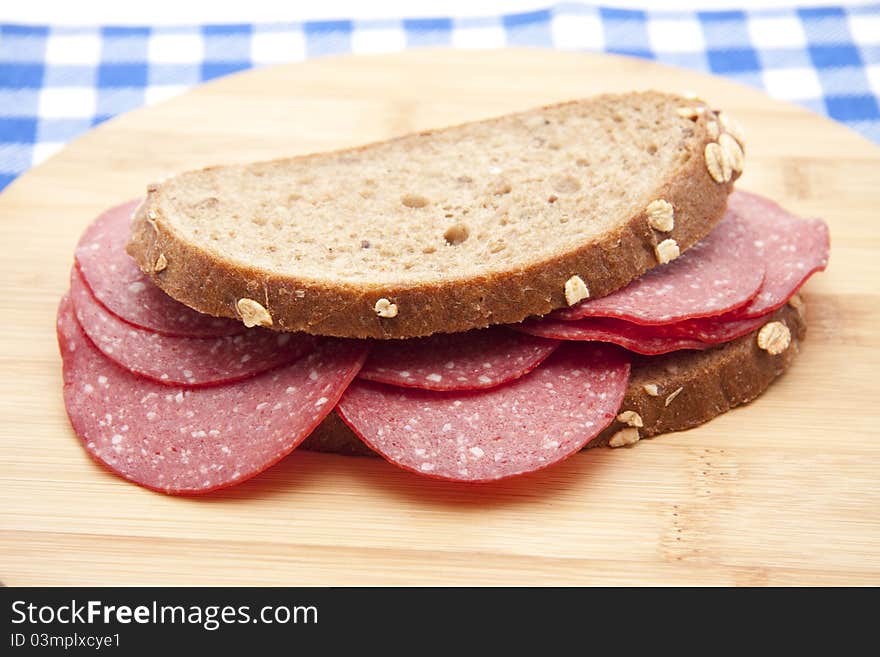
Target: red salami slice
(190, 441)
(718, 275)
(636, 338)
(463, 361)
(175, 360)
(122, 288)
(478, 436)
(648, 340)
(792, 249)
(710, 330)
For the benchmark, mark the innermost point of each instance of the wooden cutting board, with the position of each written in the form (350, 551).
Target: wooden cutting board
(784, 491)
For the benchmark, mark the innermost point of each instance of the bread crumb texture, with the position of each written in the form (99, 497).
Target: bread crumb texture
(490, 196)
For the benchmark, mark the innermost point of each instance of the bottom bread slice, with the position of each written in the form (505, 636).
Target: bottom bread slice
(673, 392)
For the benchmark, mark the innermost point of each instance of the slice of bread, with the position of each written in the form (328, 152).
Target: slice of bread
(446, 230)
(673, 392)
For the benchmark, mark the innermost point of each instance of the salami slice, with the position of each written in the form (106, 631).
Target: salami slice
(717, 275)
(479, 436)
(648, 340)
(463, 361)
(118, 283)
(793, 249)
(175, 360)
(636, 338)
(710, 330)
(190, 441)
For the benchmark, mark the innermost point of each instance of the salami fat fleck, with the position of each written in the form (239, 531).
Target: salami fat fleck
(175, 360)
(118, 283)
(462, 361)
(636, 338)
(717, 275)
(791, 248)
(189, 441)
(525, 425)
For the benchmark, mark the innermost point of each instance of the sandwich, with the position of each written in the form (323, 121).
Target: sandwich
(471, 303)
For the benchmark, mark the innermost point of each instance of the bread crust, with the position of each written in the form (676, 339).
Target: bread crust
(214, 285)
(712, 382)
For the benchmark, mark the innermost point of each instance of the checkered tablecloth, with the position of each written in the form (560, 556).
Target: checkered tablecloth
(57, 82)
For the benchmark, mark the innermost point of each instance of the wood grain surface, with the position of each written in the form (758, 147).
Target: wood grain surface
(784, 491)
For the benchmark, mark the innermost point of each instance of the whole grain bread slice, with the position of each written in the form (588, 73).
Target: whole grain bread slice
(445, 230)
(667, 393)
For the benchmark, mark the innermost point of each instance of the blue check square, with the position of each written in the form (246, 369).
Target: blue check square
(733, 60)
(14, 75)
(230, 43)
(24, 48)
(531, 29)
(327, 37)
(825, 25)
(424, 32)
(852, 108)
(122, 75)
(77, 75)
(124, 44)
(725, 29)
(831, 56)
(18, 130)
(626, 32)
(60, 130)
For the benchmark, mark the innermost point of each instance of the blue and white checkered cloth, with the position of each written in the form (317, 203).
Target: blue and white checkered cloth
(57, 82)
